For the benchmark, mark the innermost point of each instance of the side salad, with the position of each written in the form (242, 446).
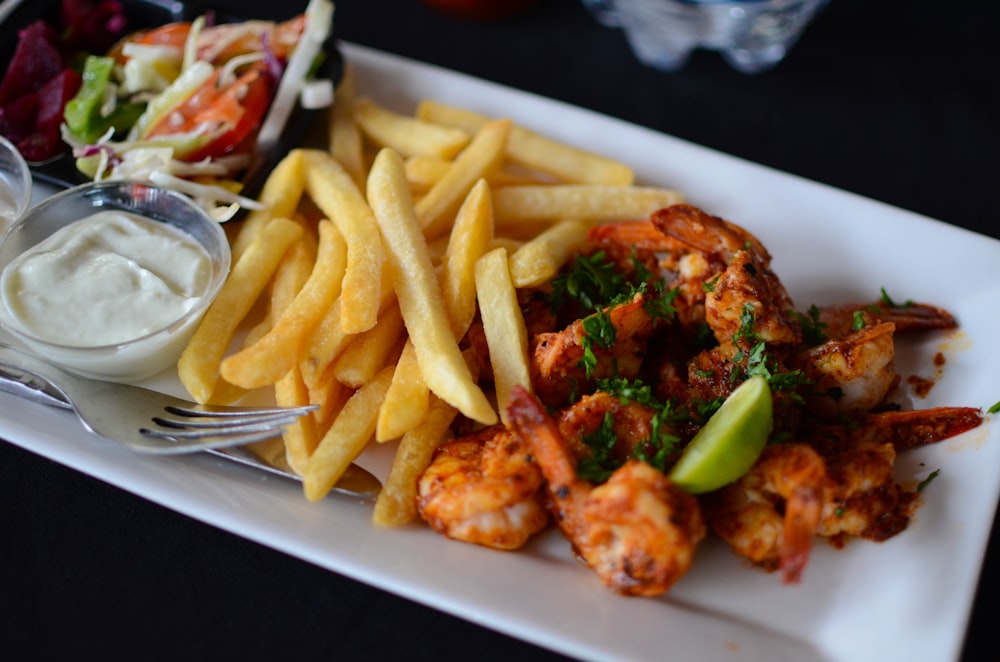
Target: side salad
(190, 105)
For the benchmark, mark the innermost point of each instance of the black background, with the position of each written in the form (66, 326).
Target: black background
(893, 99)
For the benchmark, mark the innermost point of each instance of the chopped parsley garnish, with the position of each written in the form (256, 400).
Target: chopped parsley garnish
(601, 463)
(758, 360)
(654, 451)
(591, 280)
(598, 330)
(887, 300)
(926, 481)
(994, 409)
(812, 327)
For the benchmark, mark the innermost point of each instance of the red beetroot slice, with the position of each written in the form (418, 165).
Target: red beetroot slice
(36, 61)
(53, 96)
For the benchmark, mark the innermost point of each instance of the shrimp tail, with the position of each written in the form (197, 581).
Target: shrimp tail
(529, 419)
(912, 429)
(802, 517)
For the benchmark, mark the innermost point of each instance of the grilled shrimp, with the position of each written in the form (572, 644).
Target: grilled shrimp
(865, 500)
(632, 423)
(909, 317)
(771, 514)
(638, 531)
(739, 276)
(484, 489)
(837, 482)
(851, 375)
(557, 372)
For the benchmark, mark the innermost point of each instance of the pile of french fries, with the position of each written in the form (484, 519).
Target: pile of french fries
(354, 288)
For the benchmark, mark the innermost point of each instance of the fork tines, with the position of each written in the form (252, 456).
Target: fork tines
(249, 424)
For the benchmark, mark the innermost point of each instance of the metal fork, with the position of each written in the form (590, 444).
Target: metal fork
(27, 376)
(142, 419)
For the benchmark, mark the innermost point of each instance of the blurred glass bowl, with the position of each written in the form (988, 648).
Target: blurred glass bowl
(15, 184)
(148, 354)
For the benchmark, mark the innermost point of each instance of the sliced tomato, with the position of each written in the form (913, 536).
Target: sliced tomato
(234, 111)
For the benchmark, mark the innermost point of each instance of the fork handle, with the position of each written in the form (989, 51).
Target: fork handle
(23, 375)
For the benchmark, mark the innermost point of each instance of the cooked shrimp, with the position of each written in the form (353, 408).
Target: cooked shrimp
(903, 429)
(638, 531)
(864, 499)
(744, 280)
(852, 375)
(909, 317)
(773, 512)
(484, 489)
(632, 424)
(557, 368)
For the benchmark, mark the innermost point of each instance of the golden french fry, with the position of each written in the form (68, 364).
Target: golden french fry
(470, 238)
(396, 504)
(503, 324)
(531, 150)
(510, 244)
(280, 196)
(329, 395)
(423, 172)
(346, 142)
(408, 135)
(541, 258)
(407, 400)
(369, 352)
(270, 358)
(334, 192)
(518, 204)
(329, 338)
(198, 366)
(301, 436)
(436, 210)
(419, 292)
(343, 442)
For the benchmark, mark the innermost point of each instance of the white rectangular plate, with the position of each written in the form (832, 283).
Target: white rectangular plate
(907, 599)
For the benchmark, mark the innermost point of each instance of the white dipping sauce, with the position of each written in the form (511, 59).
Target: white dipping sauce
(106, 279)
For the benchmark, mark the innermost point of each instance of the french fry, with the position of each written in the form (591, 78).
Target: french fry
(280, 196)
(503, 324)
(470, 238)
(419, 292)
(351, 430)
(369, 352)
(396, 503)
(334, 192)
(329, 395)
(198, 366)
(270, 358)
(346, 141)
(436, 210)
(423, 172)
(518, 204)
(536, 261)
(329, 338)
(408, 135)
(535, 152)
(407, 400)
(301, 436)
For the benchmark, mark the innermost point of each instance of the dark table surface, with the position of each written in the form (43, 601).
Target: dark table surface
(893, 100)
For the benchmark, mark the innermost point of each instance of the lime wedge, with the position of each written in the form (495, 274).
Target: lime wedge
(730, 442)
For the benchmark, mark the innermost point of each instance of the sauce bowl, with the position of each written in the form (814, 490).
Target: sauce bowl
(158, 347)
(15, 184)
